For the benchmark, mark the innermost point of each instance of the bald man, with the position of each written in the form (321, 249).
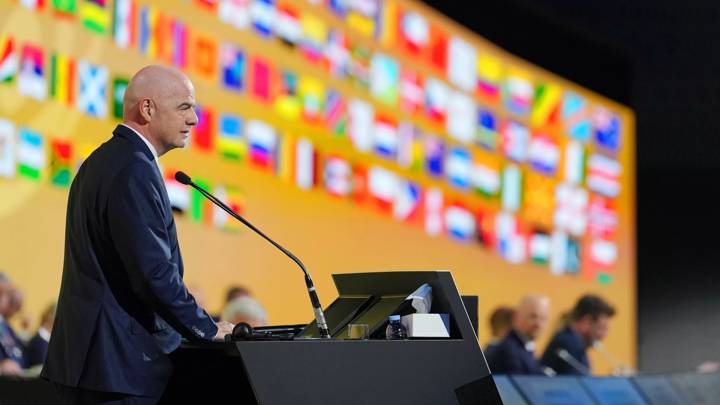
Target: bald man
(123, 306)
(515, 354)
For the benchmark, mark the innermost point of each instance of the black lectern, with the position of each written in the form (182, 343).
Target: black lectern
(339, 371)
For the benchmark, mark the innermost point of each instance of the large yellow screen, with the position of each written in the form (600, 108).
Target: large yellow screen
(363, 135)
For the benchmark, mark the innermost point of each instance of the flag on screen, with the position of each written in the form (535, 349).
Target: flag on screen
(458, 167)
(94, 15)
(485, 177)
(337, 53)
(603, 175)
(384, 79)
(414, 32)
(383, 187)
(288, 27)
(607, 129)
(410, 147)
(462, 59)
(603, 253)
(235, 13)
(92, 97)
(485, 220)
(540, 247)
(461, 113)
(263, 144)
(125, 23)
(314, 34)
(178, 193)
(31, 155)
(434, 207)
(61, 162)
(460, 223)
(200, 207)
(360, 124)
(386, 32)
(487, 130)
(539, 200)
(511, 241)
(514, 141)
(575, 117)
(408, 202)
(147, 29)
(209, 5)
(179, 44)
(517, 93)
(360, 67)
(233, 198)
(546, 105)
(62, 79)
(262, 79)
(511, 188)
(7, 148)
(119, 86)
(337, 176)
(8, 59)
(312, 94)
(31, 79)
(306, 164)
(204, 59)
(571, 204)
(335, 113)
(33, 4)
(564, 254)
(544, 154)
(64, 8)
(574, 162)
(263, 16)
(436, 100)
(489, 73)
(203, 133)
(385, 136)
(232, 61)
(438, 45)
(602, 217)
(287, 103)
(363, 16)
(434, 151)
(231, 143)
(411, 91)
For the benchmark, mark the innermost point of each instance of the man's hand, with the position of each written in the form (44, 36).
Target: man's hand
(10, 367)
(224, 328)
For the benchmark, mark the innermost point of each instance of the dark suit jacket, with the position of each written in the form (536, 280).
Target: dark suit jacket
(568, 340)
(122, 277)
(36, 351)
(510, 357)
(11, 347)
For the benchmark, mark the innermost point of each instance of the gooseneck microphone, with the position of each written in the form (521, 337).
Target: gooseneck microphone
(572, 361)
(319, 315)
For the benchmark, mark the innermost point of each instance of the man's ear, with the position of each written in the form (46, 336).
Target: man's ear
(147, 109)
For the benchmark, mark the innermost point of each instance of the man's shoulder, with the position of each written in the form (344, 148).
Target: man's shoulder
(117, 155)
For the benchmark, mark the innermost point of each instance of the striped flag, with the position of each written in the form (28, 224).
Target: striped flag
(360, 124)
(603, 219)
(235, 12)
(7, 148)
(312, 94)
(287, 26)
(178, 44)
(118, 93)
(384, 79)
(540, 247)
(33, 4)
(335, 112)
(62, 80)
(204, 56)
(462, 56)
(607, 129)
(458, 167)
(337, 176)
(571, 204)
(31, 79)
(414, 32)
(436, 100)
(125, 23)
(511, 240)
(515, 138)
(233, 198)
(485, 178)
(410, 147)
(64, 8)
(337, 53)
(385, 137)
(434, 152)
(61, 162)
(544, 154)
(434, 205)
(233, 62)
(231, 143)
(461, 113)
(411, 91)
(314, 35)
(487, 130)
(200, 207)
(261, 77)
(287, 102)
(460, 223)
(574, 162)
(489, 73)
(263, 144)
(603, 253)
(546, 105)
(8, 59)
(31, 155)
(306, 164)
(575, 117)
(94, 15)
(178, 193)
(263, 15)
(517, 93)
(204, 132)
(383, 188)
(408, 202)
(603, 175)
(511, 188)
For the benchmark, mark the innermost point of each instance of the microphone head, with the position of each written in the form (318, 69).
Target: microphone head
(183, 178)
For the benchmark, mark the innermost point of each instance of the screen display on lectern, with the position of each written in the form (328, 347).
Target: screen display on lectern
(366, 135)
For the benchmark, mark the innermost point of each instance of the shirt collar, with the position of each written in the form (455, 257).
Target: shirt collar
(44, 334)
(149, 145)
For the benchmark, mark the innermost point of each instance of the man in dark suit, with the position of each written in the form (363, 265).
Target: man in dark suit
(589, 320)
(123, 305)
(515, 354)
(12, 359)
(37, 346)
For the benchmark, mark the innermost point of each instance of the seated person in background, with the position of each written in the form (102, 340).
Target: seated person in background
(14, 311)
(236, 291)
(37, 348)
(12, 359)
(500, 325)
(589, 321)
(245, 309)
(515, 354)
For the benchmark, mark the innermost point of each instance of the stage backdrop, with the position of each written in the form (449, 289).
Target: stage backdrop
(363, 135)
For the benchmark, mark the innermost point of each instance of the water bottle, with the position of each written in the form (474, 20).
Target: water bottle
(395, 330)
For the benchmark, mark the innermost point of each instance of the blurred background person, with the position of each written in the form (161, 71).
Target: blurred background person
(236, 291)
(15, 315)
(244, 309)
(12, 359)
(515, 354)
(589, 322)
(37, 347)
(500, 324)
